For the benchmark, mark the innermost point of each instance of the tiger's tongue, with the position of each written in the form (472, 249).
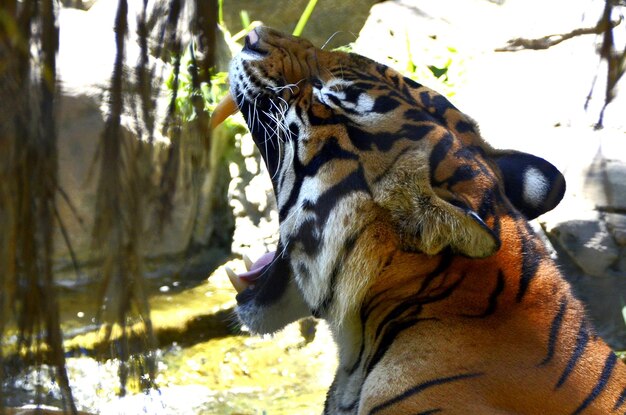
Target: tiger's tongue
(255, 270)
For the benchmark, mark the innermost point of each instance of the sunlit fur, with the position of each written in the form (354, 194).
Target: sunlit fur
(408, 233)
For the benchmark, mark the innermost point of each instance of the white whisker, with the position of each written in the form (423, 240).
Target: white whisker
(331, 38)
(276, 256)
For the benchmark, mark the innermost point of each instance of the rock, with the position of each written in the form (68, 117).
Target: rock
(616, 224)
(621, 265)
(620, 236)
(85, 63)
(604, 300)
(588, 244)
(616, 185)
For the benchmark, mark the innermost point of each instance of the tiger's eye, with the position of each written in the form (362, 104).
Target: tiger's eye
(317, 83)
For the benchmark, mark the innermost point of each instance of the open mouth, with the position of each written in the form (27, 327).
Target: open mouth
(245, 282)
(262, 109)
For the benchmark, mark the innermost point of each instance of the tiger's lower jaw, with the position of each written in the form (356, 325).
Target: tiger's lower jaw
(267, 319)
(268, 298)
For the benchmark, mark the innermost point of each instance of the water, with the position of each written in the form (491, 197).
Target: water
(234, 375)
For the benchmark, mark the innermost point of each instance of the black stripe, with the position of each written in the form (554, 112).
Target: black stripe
(465, 127)
(493, 297)
(395, 328)
(353, 92)
(602, 381)
(366, 141)
(420, 388)
(418, 115)
(308, 237)
(392, 165)
(383, 141)
(385, 104)
(444, 264)
(391, 333)
(381, 69)
(353, 183)
(620, 400)
(410, 82)
(437, 103)
(581, 343)
(346, 252)
(294, 131)
(492, 302)
(397, 312)
(462, 173)
(443, 293)
(415, 132)
(554, 331)
(530, 264)
(430, 411)
(438, 154)
(329, 152)
(364, 316)
(334, 99)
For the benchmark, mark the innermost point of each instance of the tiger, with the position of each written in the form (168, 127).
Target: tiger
(409, 235)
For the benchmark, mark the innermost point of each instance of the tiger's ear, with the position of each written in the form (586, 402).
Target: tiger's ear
(532, 184)
(431, 221)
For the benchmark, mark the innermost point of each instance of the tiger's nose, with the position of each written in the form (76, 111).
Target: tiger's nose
(251, 42)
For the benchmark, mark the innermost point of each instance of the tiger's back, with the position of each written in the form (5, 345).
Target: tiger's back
(409, 234)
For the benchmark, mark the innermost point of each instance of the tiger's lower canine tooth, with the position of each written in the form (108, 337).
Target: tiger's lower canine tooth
(247, 262)
(237, 283)
(224, 109)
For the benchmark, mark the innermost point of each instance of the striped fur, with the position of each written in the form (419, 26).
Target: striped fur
(408, 233)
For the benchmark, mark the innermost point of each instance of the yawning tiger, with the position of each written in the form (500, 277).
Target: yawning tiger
(409, 234)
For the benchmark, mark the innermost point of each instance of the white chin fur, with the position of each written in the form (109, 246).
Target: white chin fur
(269, 319)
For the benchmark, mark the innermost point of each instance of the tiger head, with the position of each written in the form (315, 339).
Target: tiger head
(363, 162)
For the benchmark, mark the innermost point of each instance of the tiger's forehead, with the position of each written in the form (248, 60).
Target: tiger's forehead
(353, 79)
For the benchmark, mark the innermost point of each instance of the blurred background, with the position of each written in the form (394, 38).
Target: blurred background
(119, 208)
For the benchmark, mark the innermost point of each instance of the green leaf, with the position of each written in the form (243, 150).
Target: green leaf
(245, 18)
(438, 72)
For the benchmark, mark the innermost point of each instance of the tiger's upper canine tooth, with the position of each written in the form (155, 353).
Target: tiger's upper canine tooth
(247, 262)
(224, 109)
(237, 282)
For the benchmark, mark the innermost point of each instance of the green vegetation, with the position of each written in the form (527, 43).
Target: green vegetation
(211, 93)
(304, 18)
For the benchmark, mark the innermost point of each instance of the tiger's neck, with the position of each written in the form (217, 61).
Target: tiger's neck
(406, 288)
(520, 265)
(508, 322)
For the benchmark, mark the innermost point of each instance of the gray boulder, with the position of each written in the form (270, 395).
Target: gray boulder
(588, 244)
